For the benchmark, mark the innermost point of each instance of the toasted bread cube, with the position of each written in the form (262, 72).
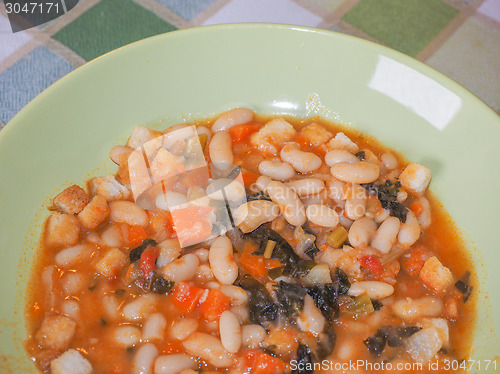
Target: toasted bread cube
(70, 362)
(94, 213)
(342, 141)
(112, 262)
(72, 200)
(436, 276)
(275, 132)
(56, 332)
(415, 178)
(141, 135)
(315, 134)
(62, 230)
(109, 188)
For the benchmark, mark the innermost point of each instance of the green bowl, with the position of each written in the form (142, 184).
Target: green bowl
(65, 134)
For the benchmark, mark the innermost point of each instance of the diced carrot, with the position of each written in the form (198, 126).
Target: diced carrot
(416, 207)
(257, 362)
(191, 224)
(372, 263)
(272, 264)
(249, 178)
(148, 259)
(185, 296)
(172, 347)
(253, 265)
(240, 133)
(214, 305)
(267, 364)
(136, 235)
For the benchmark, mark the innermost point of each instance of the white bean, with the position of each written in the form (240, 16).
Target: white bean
(202, 254)
(401, 196)
(170, 249)
(204, 273)
(253, 335)
(362, 231)
(144, 359)
(337, 190)
(140, 307)
(340, 155)
(182, 269)
(208, 348)
(276, 170)
(127, 335)
(221, 150)
(386, 235)
(154, 327)
(389, 160)
(230, 331)
(306, 186)
(374, 289)
(262, 182)
(311, 319)
(111, 305)
(254, 213)
(330, 256)
(303, 162)
(233, 190)
(233, 117)
(173, 364)
(222, 262)
(291, 207)
(360, 172)
(71, 308)
(237, 294)
(72, 255)
(73, 283)
(355, 204)
(128, 212)
(182, 328)
(202, 130)
(322, 215)
(120, 153)
(425, 217)
(242, 312)
(409, 231)
(411, 309)
(112, 236)
(381, 215)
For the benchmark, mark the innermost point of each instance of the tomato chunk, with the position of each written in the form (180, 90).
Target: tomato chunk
(136, 235)
(148, 259)
(372, 263)
(257, 362)
(240, 133)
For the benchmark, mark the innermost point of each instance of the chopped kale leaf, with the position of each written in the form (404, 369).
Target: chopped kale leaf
(387, 193)
(135, 254)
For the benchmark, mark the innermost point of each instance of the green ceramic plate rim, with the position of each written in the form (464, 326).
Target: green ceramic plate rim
(16, 124)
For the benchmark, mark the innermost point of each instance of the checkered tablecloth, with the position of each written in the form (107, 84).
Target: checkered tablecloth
(460, 38)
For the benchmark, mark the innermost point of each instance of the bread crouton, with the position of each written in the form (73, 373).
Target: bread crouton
(70, 362)
(109, 188)
(272, 134)
(112, 262)
(62, 230)
(415, 178)
(56, 332)
(141, 135)
(72, 200)
(315, 134)
(341, 141)
(94, 213)
(436, 276)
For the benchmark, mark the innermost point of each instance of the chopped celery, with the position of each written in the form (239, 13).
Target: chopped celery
(268, 252)
(359, 307)
(337, 237)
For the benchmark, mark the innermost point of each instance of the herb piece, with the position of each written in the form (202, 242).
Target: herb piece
(337, 237)
(387, 193)
(307, 243)
(135, 254)
(376, 343)
(359, 307)
(103, 322)
(120, 292)
(377, 305)
(283, 251)
(258, 196)
(390, 335)
(304, 360)
(160, 285)
(290, 299)
(361, 155)
(326, 342)
(276, 272)
(95, 281)
(463, 286)
(262, 307)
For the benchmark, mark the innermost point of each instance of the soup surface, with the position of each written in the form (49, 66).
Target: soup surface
(247, 244)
